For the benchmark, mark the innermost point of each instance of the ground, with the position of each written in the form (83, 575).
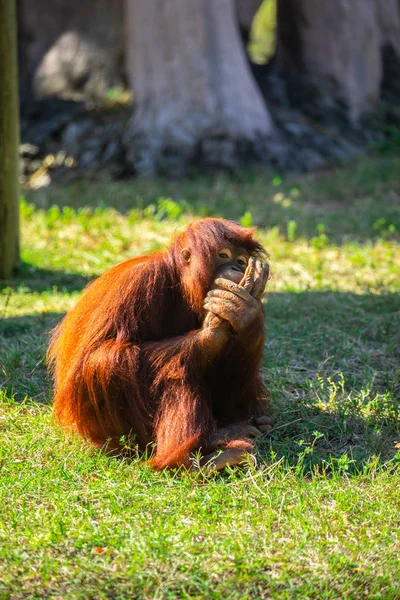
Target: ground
(315, 512)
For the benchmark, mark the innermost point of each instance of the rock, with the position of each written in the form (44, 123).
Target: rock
(69, 141)
(89, 158)
(28, 150)
(70, 48)
(310, 159)
(111, 152)
(74, 135)
(295, 129)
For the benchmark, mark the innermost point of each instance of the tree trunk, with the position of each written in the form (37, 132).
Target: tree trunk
(330, 52)
(388, 15)
(9, 161)
(195, 99)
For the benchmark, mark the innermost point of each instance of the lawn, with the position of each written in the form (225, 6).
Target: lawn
(316, 512)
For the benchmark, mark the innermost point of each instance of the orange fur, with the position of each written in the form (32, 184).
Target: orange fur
(128, 359)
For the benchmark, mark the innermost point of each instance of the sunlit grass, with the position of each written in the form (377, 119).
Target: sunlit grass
(315, 513)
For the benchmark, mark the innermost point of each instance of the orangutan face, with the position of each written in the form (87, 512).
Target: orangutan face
(231, 263)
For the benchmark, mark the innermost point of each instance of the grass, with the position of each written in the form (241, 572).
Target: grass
(315, 514)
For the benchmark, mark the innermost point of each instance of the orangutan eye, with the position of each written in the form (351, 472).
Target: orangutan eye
(242, 261)
(225, 253)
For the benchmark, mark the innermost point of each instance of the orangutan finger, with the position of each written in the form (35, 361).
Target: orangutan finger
(249, 267)
(228, 315)
(266, 271)
(226, 295)
(265, 428)
(264, 423)
(258, 280)
(266, 275)
(224, 311)
(212, 321)
(222, 303)
(264, 420)
(233, 287)
(246, 430)
(248, 277)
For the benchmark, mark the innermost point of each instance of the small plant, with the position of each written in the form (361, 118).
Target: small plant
(52, 217)
(292, 231)
(247, 219)
(294, 192)
(167, 209)
(26, 209)
(150, 211)
(384, 228)
(321, 240)
(392, 139)
(283, 200)
(342, 465)
(303, 465)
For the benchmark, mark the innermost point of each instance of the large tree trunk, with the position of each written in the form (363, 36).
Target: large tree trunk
(70, 48)
(330, 51)
(195, 99)
(9, 185)
(388, 15)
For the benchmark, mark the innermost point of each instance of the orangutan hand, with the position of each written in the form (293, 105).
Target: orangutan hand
(255, 278)
(233, 304)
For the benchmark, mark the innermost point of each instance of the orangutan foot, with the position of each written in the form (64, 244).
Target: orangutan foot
(236, 431)
(219, 459)
(229, 445)
(263, 423)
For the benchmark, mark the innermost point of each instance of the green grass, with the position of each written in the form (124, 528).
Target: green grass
(315, 513)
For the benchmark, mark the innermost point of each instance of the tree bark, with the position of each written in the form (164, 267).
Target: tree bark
(388, 16)
(9, 127)
(195, 99)
(330, 52)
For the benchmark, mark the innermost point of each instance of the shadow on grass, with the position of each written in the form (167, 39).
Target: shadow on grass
(23, 343)
(331, 366)
(323, 440)
(14, 327)
(35, 279)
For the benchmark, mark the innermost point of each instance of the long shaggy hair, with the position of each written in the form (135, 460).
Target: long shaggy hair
(127, 358)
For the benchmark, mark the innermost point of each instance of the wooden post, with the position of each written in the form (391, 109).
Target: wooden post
(9, 138)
